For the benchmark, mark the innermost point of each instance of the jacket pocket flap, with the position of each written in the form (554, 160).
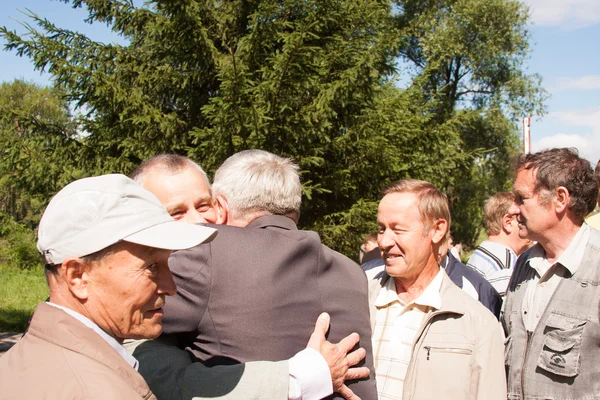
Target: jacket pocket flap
(561, 341)
(564, 323)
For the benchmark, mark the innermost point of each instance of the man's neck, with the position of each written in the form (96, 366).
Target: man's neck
(556, 241)
(503, 240)
(409, 289)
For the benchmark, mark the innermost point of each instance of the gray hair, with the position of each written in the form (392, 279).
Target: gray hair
(171, 163)
(256, 181)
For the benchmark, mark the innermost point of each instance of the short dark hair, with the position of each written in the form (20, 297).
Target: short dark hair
(563, 167)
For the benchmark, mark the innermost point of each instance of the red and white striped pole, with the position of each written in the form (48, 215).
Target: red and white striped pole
(526, 135)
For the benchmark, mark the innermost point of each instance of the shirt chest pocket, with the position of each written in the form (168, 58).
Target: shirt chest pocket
(562, 345)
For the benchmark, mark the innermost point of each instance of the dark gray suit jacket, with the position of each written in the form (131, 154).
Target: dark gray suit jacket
(255, 293)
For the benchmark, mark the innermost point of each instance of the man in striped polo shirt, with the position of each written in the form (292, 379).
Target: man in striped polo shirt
(495, 257)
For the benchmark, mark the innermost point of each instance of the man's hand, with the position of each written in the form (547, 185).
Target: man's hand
(338, 358)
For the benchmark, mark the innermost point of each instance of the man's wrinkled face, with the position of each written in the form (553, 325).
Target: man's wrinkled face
(185, 194)
(532, 209)
(406, 247)
(127, 289)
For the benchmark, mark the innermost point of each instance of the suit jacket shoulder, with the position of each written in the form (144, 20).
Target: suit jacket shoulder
(255, 293)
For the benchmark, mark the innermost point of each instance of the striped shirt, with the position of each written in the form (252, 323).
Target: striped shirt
(495, 262)
(396, 327)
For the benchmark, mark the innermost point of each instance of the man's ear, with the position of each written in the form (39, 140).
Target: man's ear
(562, 199)
(439, 228)
(507, 226)
(222, 210)
(76, 276)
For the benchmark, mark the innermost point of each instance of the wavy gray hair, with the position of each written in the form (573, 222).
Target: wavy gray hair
(259, 182)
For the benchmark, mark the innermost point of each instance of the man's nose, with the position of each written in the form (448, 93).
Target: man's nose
(166, 284)
(384, 239)
(194, 217)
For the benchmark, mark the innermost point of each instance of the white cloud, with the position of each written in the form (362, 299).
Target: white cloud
(588, 144)
(587, 118)
(565, 13)
(585, 82)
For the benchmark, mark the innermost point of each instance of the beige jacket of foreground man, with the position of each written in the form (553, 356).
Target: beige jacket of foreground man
(458, 352)
(71, 362)
(68, 351)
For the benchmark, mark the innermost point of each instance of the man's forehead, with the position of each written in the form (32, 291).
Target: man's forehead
(525, 180)
(187, 178)
(399, 200)
(398, 203)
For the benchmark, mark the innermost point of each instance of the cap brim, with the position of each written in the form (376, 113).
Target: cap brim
(173, 235)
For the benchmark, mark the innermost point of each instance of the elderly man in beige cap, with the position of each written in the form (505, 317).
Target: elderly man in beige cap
(105, 242)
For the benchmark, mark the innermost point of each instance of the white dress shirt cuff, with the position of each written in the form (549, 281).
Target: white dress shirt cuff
(309, 376)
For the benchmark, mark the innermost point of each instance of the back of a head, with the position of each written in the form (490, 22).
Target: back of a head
(169, 163)
(432, 203)
(370, 241)
(495, 208)
(256, 181)
(563, 167)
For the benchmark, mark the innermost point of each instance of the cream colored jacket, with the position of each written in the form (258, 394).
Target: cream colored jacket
(60, 358)
(458, 352)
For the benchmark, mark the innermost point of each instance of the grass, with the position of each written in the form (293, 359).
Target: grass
(20, 291)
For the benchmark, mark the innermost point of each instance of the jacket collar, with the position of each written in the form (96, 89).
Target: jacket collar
(55, 326)
(279, 221)
(452, 296)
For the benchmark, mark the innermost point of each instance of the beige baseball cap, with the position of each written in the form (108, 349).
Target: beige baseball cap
(91, 214)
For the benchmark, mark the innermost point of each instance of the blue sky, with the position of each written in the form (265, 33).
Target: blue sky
(565, 52)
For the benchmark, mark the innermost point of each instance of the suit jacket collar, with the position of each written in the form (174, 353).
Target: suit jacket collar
(55, 326)
(279, 221)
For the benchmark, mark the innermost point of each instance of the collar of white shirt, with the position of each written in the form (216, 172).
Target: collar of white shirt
(570, 258)
(429, 298)
(109, 339)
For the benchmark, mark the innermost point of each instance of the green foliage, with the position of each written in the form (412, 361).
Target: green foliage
(38, 146)
(470, 53)
(18, 246)
(312, 80)
(345, 231)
